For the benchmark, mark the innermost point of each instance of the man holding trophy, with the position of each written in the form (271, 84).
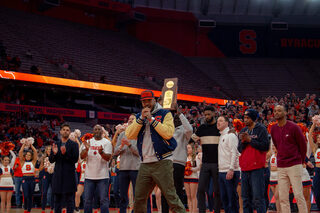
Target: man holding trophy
(153, 129)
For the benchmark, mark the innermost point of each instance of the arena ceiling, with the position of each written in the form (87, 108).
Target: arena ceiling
(292, 11)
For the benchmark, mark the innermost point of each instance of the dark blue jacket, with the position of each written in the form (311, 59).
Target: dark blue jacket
(64, 176)
(163, 147)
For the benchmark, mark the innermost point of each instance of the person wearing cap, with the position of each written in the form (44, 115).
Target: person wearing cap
(153, 129)
(291, 147)
(253, 146)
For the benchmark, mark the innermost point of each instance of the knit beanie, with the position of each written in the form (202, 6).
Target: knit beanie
(252, 113)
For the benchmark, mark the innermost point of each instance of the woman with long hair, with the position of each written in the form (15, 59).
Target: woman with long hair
(307, 183)
(274, 177)
(46, 179)
(191, 177)
(80, 188)
(28, 161)
(6, 181)
(315, 147)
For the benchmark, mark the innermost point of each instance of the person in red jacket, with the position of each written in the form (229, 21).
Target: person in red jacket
(17, 181)
(253, 146)
(292, 147)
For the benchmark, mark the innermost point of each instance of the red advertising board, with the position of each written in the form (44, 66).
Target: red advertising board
(112, 116)
(43, 110)
(60, 111)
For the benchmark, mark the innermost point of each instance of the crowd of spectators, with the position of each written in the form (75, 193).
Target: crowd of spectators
(13, 126)
(16, 125)
(299, 109)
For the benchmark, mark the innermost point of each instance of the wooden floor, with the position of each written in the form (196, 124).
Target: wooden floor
(37, 210)
(111, 210)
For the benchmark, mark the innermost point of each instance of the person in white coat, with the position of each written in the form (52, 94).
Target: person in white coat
(229, 171)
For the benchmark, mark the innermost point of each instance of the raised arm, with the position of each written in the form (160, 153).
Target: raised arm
(21, 154)
(310, 138)
(309, 150)
(35, 155)
(13, 159)
(188, 130)
(115, 137)
(78, 142)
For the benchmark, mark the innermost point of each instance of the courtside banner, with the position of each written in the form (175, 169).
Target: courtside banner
(43, 110)
(112, 116)
(63, 112)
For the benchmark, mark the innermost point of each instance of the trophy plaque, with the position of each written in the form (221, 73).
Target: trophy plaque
(169, 93)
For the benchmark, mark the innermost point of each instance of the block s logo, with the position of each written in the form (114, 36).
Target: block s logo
(158, 118)
(248, 43)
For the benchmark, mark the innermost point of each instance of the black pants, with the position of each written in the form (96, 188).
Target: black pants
(208, 170)
(46, 183)
(125, 177)
(178, 178)
(28, 189)
(64, 200)
(266, 185)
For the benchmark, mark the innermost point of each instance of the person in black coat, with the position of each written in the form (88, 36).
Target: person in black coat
(64, 154)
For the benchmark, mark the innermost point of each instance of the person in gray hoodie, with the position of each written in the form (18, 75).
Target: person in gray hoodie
(182, 134)
(129, 165)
